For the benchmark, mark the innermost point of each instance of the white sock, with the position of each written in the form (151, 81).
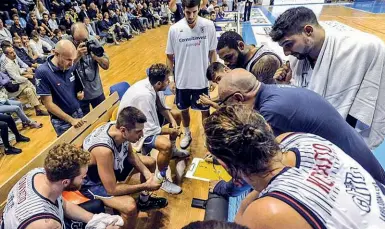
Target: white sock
(187, 131)
(144, 196)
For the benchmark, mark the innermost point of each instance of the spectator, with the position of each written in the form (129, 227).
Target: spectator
(57, 7)
(61, 101)
(40, 9)
(143, 20)
(22, 53)
(213, 3)
(57, 36)
(10, 106)
(44, 37)
(52, 22)
(74, 15)
(3, 57)
(67, 23)
(13, 69)
(25, 86)
(32, 23)
(37, 45)
(88, 68)
(135, 22)
(125, 23)
(6, 122)
(27, 47)
(45, 23)
(105, 26)
(5, 35)
(83, 13)
(147, 14)
(16, 28)
(219, 12)
(92, 11)
(90, 29)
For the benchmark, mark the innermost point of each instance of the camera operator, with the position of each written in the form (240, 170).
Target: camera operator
(91, 55)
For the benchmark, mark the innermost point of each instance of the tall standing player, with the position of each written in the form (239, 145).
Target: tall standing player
(192, 43)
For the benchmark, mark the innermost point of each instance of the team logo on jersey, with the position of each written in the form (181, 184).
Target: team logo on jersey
(356, 186)
(202, 29)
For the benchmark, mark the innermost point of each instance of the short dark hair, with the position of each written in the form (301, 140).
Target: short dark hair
(190, 3)
(212, 12)
(52, 13)
(15, 15)
(45, 14)
(56, 31)
(229, 39)
(212, 69)
(203, 13)
(5, 48)
(242, 139)
(158, 72)
(216, 7)
(292, 21)
(5, 44)
(213, 224)
(129, 116)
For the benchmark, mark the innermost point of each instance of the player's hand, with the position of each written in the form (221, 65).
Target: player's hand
(205, 100)
(77, 122)
(152, 184)
(173, 87)
(284, 74)
(212, 86)
(82, 49)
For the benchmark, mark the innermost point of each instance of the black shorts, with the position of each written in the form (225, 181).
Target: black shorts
(186, 98)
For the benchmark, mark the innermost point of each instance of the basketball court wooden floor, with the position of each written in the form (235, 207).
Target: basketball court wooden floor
(128, 63)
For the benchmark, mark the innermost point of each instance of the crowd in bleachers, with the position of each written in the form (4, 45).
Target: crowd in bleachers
(29, 31)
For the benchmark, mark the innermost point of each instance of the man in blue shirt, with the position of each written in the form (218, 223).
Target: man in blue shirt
(290, 109)
(59, 89)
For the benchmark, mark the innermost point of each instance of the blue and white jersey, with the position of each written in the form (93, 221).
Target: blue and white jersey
(327, 187)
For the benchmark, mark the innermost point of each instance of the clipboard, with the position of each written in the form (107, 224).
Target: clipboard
(206, 171)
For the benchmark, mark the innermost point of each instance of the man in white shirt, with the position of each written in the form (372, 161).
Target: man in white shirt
(52, 22)
(4, 33)
(12, 68)
(192, 43)
(146, 95)
(37, 45)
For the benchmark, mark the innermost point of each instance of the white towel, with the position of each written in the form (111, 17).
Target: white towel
(102, 220)
(349, 73)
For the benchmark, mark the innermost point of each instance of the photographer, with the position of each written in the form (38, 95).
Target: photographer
(90, 55)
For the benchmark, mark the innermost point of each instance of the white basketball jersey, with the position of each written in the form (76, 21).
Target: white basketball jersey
(327, 187)
(262, 51)
(25, 204)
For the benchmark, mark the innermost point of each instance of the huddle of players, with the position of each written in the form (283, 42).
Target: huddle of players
(299, 180)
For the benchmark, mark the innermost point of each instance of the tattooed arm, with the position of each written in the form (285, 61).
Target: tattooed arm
(265, 68)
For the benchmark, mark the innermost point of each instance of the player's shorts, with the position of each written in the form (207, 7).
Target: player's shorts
(92, 188)
(186, 98)
(149, 141)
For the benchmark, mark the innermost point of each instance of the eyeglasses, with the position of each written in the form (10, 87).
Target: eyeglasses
(223, 102)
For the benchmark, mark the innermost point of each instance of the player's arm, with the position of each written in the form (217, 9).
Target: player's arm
(135, 161)
(44, 224)
(54, 109)
(105, 163)
(271, 213)
(213, 56)
(74, 212)
(265, 68)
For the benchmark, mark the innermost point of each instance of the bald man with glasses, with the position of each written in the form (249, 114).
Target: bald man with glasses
(290, 109)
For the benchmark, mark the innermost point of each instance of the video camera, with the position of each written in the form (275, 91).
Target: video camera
(95, 48)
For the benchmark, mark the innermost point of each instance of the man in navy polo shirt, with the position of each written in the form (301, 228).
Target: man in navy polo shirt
(59, 89)
(290, 109)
